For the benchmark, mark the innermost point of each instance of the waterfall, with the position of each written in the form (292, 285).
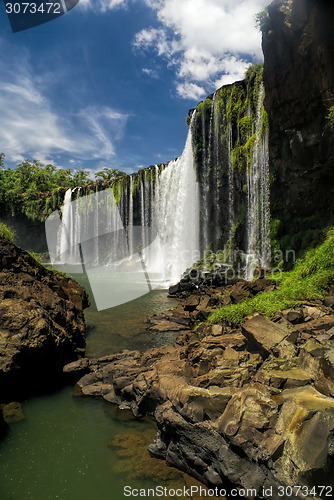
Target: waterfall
(215, 197)
(230, 185)
(164, 238)
(65, 236)
(130, 221)
(175, 214)
(258, 206)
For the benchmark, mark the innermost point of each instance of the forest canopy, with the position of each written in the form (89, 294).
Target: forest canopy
(21, 187)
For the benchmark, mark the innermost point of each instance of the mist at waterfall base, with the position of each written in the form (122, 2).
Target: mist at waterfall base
(181, 218)
(124, 261)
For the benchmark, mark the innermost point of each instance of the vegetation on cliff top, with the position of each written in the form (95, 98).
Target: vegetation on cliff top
(32, 188)
(308, 280)
(262, 20)
(235, 111)
(6, 232)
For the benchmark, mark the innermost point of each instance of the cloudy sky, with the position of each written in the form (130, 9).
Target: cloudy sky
(110, 83)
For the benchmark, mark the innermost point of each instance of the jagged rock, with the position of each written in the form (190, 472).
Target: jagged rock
(293, 316)
(261, 272)
(165, 326)
(308, 447)
(197, 404)
(41, 323)
(12, 412)
(283, 372)
(264, 334)
(241, 292)
(76, 369)
(231, 369)
(318, 359)
(329, 301)
(191, 303)
(225, 301)
(216, 330)
(174, 289)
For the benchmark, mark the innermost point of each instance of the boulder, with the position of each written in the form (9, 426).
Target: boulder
(42, 324)
(12, 412)
(329, 301)
(263, 334)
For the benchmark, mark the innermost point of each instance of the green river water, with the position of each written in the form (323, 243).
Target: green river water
(63, 449)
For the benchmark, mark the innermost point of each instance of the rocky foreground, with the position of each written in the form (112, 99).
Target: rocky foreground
(249, 406)
(42, 324)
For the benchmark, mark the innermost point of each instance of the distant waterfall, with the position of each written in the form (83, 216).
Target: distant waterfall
(115, 223)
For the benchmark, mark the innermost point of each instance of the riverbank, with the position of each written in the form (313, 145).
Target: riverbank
(248, 405)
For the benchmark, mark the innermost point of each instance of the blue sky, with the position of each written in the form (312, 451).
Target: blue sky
(110, 83)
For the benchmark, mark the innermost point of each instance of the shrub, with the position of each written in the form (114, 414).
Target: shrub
(6, 232)
(308, 280)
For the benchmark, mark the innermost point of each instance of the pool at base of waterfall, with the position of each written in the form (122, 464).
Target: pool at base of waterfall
(84, 448)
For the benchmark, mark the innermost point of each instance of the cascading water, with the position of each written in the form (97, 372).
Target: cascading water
(231, 214)
(214, 197)
(175, 214)
(169, 206)
(258, 209)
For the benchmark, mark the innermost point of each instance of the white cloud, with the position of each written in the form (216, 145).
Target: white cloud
(31, 127)
(150, 72)
(189, 90)
(209, 41)
(102, 5)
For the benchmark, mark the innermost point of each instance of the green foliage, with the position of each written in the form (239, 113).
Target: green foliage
(308, 280)
(238, 156)
(264, 123)
(188, 120)
(200, 109)
(248, 149)
(207, 105)
(262, 21)
(330, 117)
(55, 271)
(36, 256)
(6, 232)
(253, 77)
(108, 174)
(245, 126)
(2, 157)
(22, 188)
(236, 105)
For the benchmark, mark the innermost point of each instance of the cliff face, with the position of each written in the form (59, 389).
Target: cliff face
(298, 47)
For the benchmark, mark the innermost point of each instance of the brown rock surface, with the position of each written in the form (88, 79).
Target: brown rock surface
(12, 412)
(263, 333)
(41, 323)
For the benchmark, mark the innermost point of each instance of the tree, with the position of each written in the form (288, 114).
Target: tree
(81, 177)
(108, 174)
(262, 21)
(2, 157)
